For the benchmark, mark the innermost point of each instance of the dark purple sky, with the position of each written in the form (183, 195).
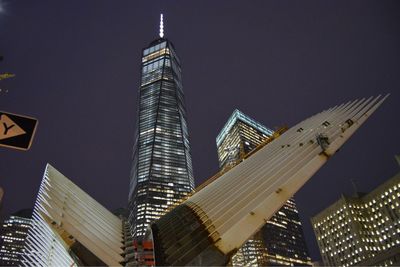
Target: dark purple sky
(77, 66)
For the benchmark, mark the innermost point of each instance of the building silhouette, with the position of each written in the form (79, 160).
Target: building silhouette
(281, 240)
(363, 229)
(13, 235)
(161, 173)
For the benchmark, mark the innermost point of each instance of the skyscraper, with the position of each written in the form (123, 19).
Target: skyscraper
(281, 240)
(13, 236)
(161, 172)
(363, 229)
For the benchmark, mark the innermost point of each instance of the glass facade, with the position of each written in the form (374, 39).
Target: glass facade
(280, 241)
(284, 238)
(13, 236)
(162, 173)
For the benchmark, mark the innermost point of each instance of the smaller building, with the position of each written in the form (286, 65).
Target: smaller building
(363, 229)
(281, 240)
(13, 236)
(239, 136)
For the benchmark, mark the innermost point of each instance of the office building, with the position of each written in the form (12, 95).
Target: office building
(281, 240)
(239, 136)
(70, 228)
(13, 236)
(214, 222)
(363, 229)
(161, 173)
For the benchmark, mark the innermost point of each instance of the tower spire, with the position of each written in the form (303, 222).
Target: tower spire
(161, 26)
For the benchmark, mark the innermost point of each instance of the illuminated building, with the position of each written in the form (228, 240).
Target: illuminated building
(240, 135)
(213, 223)
(363, 229)
(13, 235)
(161, 172)
(70, 228)
(281, 240)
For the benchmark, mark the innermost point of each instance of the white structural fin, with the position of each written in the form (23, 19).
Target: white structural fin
(238, 207)
(62, 207)
(161, 26)
(235, 206)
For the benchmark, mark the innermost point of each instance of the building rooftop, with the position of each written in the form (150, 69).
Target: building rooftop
(238, 115)
(359, 196)
(25, 213)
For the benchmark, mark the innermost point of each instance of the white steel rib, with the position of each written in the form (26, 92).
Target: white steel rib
(249, 191)
(237, 204)
(64, 214)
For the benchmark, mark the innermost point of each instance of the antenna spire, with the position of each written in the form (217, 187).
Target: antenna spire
(161, 26)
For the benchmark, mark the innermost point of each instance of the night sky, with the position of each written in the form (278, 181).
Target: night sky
(77, 66)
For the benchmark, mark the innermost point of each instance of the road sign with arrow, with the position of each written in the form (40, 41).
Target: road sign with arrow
(16, 131)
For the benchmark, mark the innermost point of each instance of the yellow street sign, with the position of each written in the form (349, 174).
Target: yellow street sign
(16, 131)
(10, 128)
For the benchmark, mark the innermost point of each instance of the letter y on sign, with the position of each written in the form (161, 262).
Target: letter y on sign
(8, 128)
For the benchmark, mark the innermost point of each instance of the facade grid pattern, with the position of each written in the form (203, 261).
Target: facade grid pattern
(13, 236)
(281, 240)
(363, 229)
(161, 173)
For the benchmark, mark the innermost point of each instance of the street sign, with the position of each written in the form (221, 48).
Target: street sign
(16, 131)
